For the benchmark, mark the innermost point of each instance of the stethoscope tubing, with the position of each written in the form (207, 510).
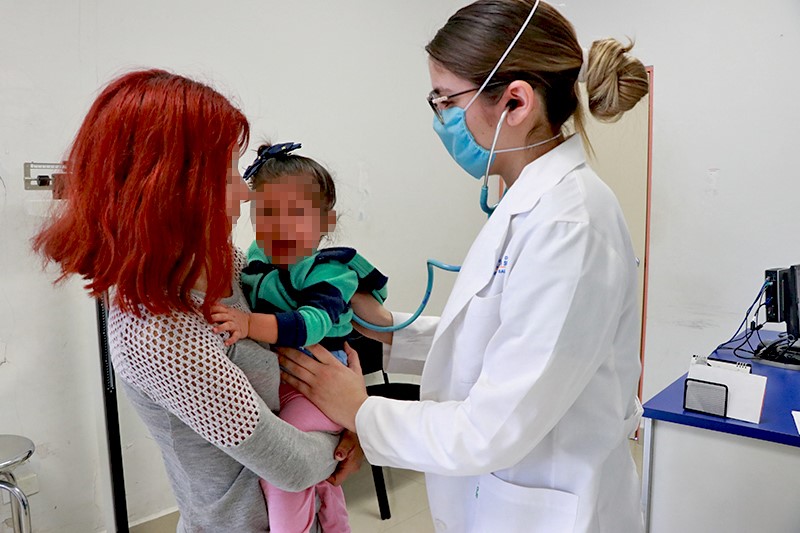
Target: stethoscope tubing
(386, 329)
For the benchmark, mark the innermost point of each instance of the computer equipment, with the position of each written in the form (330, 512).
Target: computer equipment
(783, 305)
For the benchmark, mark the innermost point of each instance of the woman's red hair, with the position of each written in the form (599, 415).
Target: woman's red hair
(146, 177)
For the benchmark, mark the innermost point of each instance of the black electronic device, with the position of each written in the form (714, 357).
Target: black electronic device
(783, 305)
(773, 293)
(792, 303)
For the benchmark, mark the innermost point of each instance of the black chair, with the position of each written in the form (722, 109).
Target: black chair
(370, 354)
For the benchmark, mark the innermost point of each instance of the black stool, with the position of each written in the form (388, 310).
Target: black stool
(370, 354)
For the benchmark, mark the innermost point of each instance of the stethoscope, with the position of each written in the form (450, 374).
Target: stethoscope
(485, 207)
(484, 200)
(484, 196)
(431, 263)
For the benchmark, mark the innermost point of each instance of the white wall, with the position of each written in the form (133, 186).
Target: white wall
(348, 79)
(725, 182)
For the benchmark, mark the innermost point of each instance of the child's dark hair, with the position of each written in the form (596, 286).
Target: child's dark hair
(296, 165)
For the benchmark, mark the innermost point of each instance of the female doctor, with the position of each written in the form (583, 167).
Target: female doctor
(528, 392)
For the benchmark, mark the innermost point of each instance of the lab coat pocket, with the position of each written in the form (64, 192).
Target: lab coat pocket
(480, 322)
(503, 506)
(485, 306)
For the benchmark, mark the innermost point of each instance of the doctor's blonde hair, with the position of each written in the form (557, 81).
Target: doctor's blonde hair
(547, 55)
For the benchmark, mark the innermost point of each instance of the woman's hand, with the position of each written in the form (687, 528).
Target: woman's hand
(350, 456)
(338, 390)
(236, 322)
(367, 308)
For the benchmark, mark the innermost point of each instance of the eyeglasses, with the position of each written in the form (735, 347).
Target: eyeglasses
(434, 100)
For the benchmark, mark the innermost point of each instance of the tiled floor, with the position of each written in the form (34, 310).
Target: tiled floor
(408, 502)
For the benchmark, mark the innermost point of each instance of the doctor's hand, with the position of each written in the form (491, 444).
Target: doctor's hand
(337, 390)
(350, 456)
(367, 308)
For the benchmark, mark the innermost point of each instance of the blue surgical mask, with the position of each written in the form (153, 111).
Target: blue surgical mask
(460, 143)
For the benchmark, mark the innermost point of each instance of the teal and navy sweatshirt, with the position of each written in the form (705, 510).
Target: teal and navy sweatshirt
(311, 298)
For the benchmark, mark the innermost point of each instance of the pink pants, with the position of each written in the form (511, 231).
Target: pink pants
(293, 512)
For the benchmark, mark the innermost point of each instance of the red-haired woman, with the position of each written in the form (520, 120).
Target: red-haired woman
(152, 189)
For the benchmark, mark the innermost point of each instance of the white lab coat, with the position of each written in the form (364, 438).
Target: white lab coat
(529, 385)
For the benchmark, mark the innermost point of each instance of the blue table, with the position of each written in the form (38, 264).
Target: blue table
(777, 426)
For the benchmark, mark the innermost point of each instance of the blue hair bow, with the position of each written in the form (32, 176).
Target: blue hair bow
(273, 152)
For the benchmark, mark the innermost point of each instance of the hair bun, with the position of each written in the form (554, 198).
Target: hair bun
(263, 148)
(615, 80)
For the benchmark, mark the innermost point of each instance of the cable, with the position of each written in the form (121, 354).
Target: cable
(766, 284)
(751, 351)
(431, 263)
(754, 328)
(749, 332)
(765, 351)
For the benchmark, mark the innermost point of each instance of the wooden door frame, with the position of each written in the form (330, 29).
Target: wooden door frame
(646, 259)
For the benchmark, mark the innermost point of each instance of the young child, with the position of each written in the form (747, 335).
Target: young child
(299, 297)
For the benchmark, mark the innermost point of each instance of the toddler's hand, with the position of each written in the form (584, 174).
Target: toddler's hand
(236, 322)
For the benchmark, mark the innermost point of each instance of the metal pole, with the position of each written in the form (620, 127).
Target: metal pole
(112, 420)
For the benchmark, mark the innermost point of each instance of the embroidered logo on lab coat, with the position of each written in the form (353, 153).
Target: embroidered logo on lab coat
(502, 265)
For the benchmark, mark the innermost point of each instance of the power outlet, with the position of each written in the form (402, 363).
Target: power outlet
(28, 483)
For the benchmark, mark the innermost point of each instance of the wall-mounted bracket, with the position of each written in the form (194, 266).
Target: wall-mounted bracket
(43, 176)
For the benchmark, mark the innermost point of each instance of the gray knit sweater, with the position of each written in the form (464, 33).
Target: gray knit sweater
(211, 412)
